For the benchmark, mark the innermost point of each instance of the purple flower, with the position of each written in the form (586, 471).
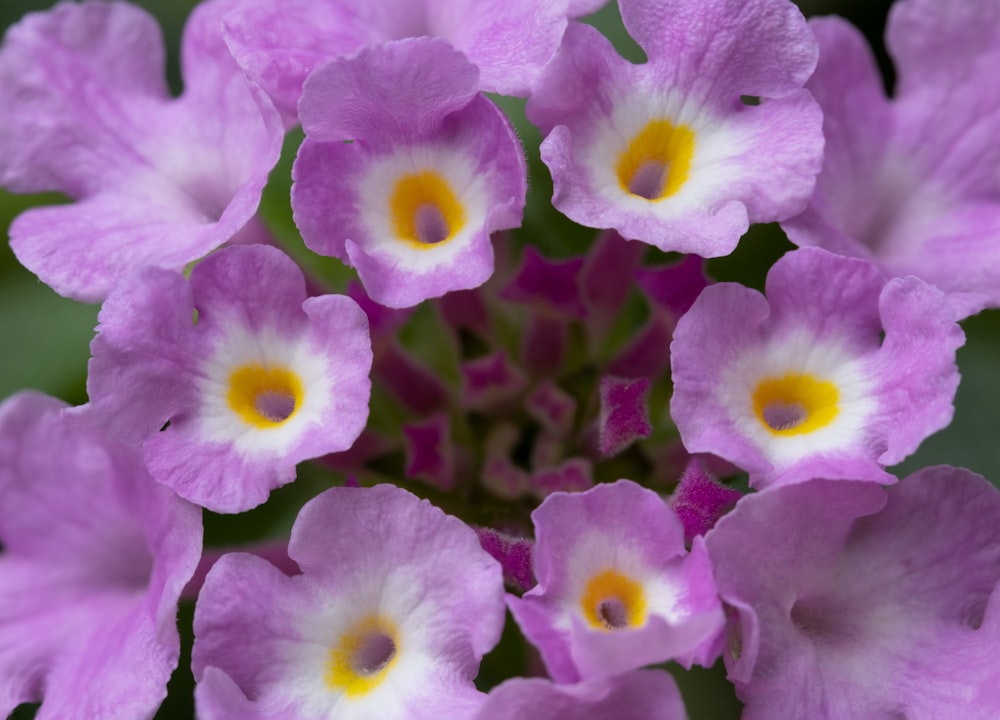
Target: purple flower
(95, 555)
(579, 8)
(553, 408)
(670, 291)
(624, 416)
(157, 181)
(853, 601)
(802, 384)
(553, 284)
(606, 277)
(910, 183)
(636, 695)
(513, 554)
(491, 380)
(265, 379)
(429, 451)
(279, 42)
(394, 608)
(551, 289)
(616, 588)
(406, 170)
(666, 152)
(700, 500)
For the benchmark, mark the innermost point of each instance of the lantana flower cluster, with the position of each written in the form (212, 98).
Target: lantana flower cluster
(527, 486)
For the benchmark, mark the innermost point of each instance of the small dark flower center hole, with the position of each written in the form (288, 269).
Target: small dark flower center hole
(784, 416)
(649, 180)
(613, 614)
(430, 224)
(274, 405)
(374, 653)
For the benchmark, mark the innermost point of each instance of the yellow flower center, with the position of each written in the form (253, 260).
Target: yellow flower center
(657, 161)
(363, 657)
(425, 211)
(795, 403)
(613, 601)
(264, 396)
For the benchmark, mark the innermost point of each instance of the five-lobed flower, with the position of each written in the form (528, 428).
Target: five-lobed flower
(406, 170)
(395, 606)
(94, 558)
(667, 152)
(617, 589)
(279, 43)
(837, 373)
(910, 182)
(869, 601)
(264, 378)
(156, 181)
